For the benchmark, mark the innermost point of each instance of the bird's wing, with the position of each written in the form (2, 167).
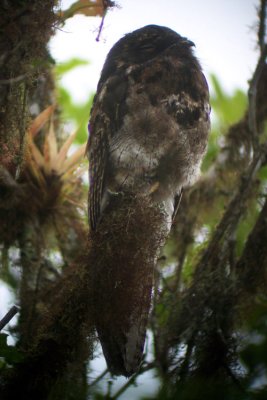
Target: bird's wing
(97, 164)
(105, 120)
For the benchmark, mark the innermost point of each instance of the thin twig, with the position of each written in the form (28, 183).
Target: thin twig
(234, 378)
(179, 270)
(184, 369)
(98, 379)
(106, 5)
(253, 87)
(131, 381)
(252, 95)
(101, 26)
(9, 315)
(235, 208)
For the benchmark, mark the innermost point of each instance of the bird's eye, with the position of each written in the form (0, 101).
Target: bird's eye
(146, 47)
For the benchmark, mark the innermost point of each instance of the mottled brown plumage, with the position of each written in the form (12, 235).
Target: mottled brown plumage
(149, 123)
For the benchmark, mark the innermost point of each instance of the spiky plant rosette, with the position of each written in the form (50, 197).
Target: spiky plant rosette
(50, 188)
(54, 175)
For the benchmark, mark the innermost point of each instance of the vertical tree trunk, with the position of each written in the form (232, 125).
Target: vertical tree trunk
(25, 29)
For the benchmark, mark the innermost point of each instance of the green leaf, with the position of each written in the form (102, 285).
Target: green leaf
(3, 340)
(76, 113)
(67, 66)
(262, 174)
(213, 149)
(228, 109)
(10, 354)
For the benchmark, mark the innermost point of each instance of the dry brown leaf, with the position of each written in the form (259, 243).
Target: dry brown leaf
(40, 120)
(84, 7)
(62, 155)
(74, 158)
(78, 172)
(37, 155)
(53, 148)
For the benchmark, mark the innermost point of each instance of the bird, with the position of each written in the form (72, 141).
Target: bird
(149, 124)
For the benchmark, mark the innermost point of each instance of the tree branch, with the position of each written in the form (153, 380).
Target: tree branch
(252, 95)
(251, 267)
(9, 315)
(262, 25)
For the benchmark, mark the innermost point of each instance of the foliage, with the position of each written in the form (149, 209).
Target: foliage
(9, 355)
(77, 114)
(227, 109)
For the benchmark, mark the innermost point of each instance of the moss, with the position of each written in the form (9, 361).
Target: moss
(25, 29)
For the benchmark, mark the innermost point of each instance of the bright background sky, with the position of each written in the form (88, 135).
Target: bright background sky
(224, 33)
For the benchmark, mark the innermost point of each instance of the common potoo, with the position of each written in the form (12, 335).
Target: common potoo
(148, 128)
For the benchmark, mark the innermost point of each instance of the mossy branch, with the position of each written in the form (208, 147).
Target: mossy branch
(206, 311)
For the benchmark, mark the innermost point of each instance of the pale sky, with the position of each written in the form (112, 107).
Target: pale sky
(224, 33)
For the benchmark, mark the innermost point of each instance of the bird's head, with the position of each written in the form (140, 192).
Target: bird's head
(143, 45)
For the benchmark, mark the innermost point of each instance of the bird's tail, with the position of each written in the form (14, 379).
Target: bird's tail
(122, 323)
